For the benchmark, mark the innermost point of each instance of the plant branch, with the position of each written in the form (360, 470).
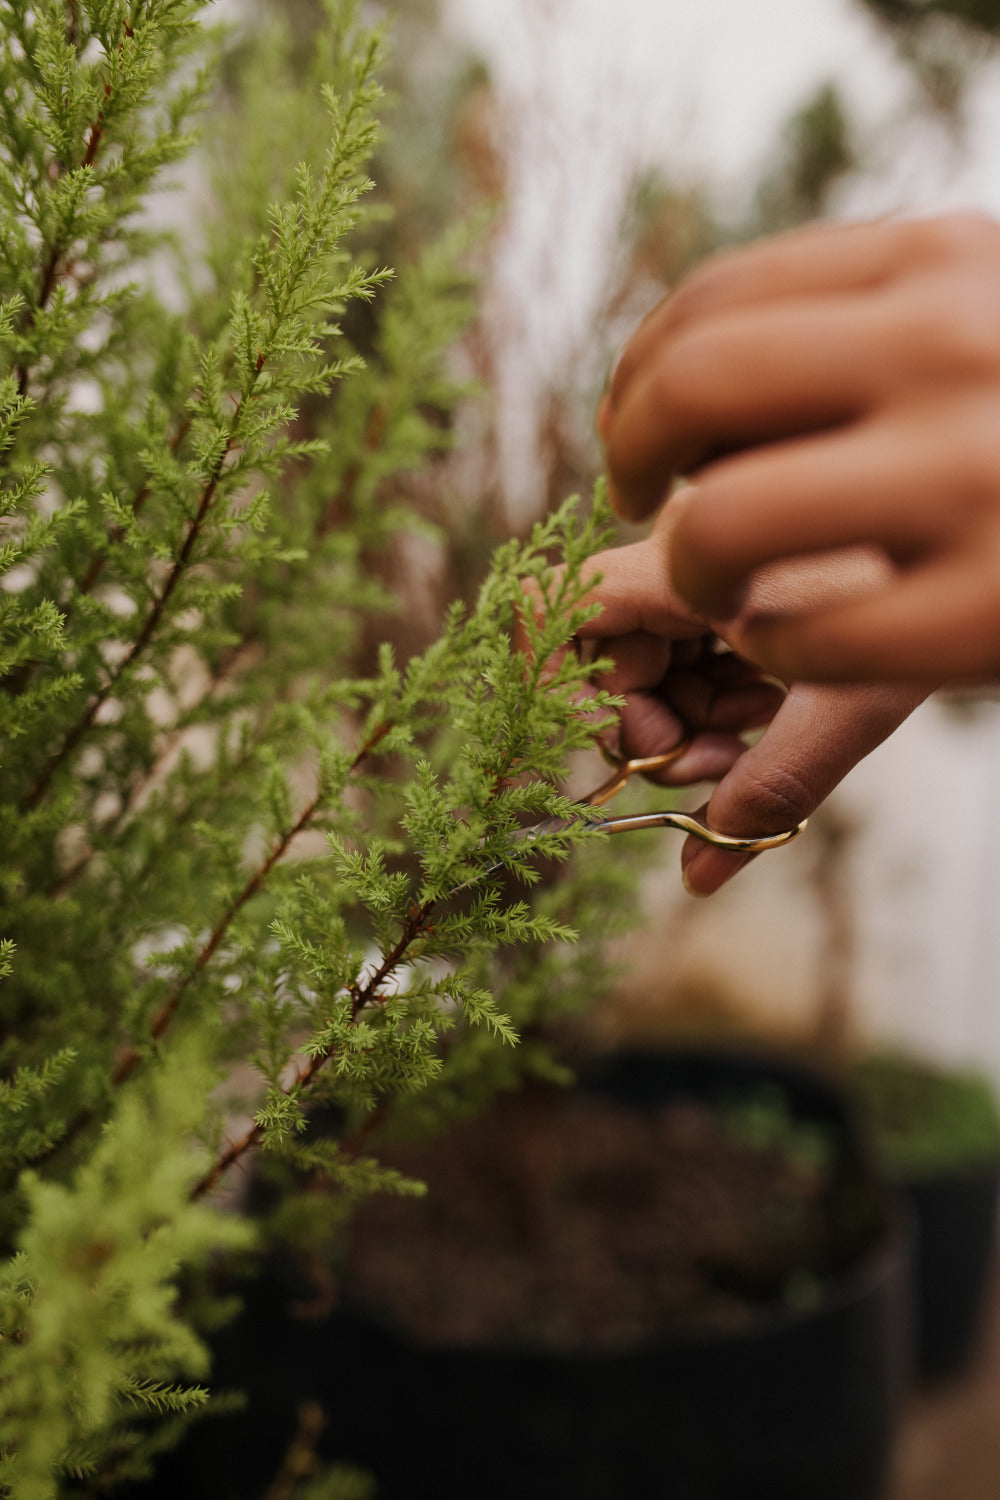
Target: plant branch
(131, 1058)
(59, 248)
(86, 720)
(363, 993)
(116, 533)
(18, 680)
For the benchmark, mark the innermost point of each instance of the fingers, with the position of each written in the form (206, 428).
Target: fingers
(817, 260)
(727, 707)
(935, 624)
(816, 737)
(801, 263)
(754, 376)
(650, 727)
(879, 482)
(798, 333)
(632, 586)
(710, 698)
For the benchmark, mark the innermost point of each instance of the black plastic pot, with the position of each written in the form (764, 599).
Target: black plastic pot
(955, 1215)
(801, 1406)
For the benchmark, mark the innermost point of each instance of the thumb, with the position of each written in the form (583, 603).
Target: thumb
(819, 733)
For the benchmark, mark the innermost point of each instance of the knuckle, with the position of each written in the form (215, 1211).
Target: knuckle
(706, 570)
(958, 235)
(953, 329)
(700, 291)
(704, 529)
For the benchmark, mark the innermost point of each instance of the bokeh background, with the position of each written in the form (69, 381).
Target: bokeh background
(619, 144)
(609, 147)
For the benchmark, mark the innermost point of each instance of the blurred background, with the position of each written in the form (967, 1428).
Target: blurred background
(619, 145)
(608, 148)
(628, 142)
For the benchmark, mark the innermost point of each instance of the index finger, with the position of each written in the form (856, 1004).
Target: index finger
(633, 588)
(816, 260)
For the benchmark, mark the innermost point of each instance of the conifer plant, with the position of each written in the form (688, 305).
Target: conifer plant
(226, 851)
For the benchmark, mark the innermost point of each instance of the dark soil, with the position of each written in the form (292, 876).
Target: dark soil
(565, 1221)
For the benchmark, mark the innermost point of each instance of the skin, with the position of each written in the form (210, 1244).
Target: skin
(677, 681)
(834, 397)
(829, 388)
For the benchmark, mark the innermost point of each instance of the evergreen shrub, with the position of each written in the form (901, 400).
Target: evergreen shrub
(230, 854)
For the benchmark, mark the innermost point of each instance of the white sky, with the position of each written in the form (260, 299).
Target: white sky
(592, 90)
(703, 84)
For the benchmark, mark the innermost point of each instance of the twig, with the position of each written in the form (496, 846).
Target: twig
(50, 271)
(236, 1150)
(131, 1058)
(16, 682)
(362, 994)
(116, 533)
(86, 721)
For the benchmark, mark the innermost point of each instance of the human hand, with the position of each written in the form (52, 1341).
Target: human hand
(676, 684)
(831, 387)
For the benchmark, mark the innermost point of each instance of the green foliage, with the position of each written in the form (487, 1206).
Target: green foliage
(87, 1306)
(763, 1121)
(982, 15)
(817, 151)
(925, 1118)
(234, 843)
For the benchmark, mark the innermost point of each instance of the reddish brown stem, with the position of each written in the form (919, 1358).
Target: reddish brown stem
(116, 533)
(131, 1058)
(86, 721)
(50, 271)
(226, 1159)
(361, 995)
(236, 1150)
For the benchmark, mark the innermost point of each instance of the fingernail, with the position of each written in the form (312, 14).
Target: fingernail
(706, 870)
(688, 868)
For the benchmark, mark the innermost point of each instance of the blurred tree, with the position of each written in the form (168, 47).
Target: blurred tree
(816, 151)
(942, 42)
(982, 15)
